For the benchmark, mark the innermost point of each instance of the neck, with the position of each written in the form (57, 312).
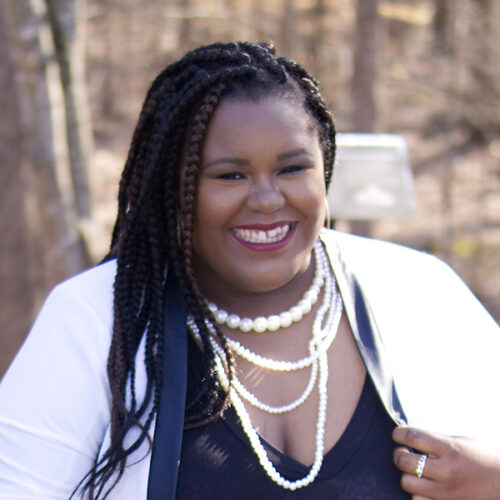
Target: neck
(251, 303)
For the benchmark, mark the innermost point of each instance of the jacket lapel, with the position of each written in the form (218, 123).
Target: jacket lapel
(365, 332)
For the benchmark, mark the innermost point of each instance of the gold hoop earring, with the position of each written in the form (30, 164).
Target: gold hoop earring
(328, 220)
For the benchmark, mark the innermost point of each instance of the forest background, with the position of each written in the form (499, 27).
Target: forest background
(73, 75)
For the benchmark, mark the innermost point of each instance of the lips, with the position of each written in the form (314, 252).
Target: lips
(263, 236)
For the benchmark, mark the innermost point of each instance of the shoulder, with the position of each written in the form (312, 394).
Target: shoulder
(431, 326)
(388, 265)
(54, 399)
(73, 328)
(359, 249)
(396, 278)
(78, 316)
(92, 288)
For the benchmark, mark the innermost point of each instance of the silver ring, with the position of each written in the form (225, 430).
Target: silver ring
(420, 466)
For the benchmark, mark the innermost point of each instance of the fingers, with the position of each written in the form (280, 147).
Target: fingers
(420, 440)
(408, 462)
(420, 487)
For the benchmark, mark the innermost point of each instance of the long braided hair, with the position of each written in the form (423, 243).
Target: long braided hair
(152, 233)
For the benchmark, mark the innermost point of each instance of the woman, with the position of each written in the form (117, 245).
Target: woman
(295, 371)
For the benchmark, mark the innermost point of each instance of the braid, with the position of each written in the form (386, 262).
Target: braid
(197, 305)
(318, 108)
(154, 227)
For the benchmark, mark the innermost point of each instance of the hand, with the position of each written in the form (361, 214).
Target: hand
(455, 469)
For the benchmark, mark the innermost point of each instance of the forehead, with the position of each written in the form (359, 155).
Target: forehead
(240, 122)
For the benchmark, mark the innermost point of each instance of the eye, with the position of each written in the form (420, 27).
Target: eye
(292, 169)
(231, 176)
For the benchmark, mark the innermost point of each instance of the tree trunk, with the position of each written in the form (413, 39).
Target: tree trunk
(482, 108)
(42, 218)
(363, 81)
(67, 22)
(16, 297)
(444, 39)
(318, 37)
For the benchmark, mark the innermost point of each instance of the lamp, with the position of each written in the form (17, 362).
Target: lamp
(372, 178)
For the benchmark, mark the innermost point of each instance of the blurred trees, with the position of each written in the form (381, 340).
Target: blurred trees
(364, 63)
(427, 69)
(366, 39)
(45, 189)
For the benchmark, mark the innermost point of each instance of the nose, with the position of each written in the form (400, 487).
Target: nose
(265, 196)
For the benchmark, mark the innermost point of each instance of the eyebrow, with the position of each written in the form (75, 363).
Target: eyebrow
(226, 159)
(242, 162)
(292, 153)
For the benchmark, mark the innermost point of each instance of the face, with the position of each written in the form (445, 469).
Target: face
(261, 197)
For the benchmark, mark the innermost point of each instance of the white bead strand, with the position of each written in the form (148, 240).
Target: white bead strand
(254, 401)
(285, 319)
(324, 331)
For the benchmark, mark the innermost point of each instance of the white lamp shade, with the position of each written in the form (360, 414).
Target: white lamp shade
(372, 178)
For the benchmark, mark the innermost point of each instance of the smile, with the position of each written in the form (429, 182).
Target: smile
(260, 236)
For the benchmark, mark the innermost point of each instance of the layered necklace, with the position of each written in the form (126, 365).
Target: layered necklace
(324, 330)
(285, 319)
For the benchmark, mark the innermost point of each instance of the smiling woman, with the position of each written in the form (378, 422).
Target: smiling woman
(260, 200)
(229, 346)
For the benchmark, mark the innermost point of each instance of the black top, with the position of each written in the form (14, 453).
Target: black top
(217, 461)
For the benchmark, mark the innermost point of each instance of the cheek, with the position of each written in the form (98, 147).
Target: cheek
(215, 210)
(309, 194)
(215, 206)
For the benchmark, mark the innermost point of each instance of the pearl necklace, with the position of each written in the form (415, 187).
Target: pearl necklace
(325, 343)
(285, 319)
(316, 347)
(318, 354)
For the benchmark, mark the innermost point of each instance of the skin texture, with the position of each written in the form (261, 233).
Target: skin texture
(456, 468)
(262, 165)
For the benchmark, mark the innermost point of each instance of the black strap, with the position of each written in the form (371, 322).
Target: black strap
(170, 417)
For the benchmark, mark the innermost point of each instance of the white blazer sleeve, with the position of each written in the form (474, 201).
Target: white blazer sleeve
(54, 399)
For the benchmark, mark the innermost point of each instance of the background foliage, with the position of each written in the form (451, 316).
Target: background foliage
(74, 74)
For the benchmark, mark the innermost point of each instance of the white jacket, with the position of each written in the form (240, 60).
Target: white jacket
(441, 346)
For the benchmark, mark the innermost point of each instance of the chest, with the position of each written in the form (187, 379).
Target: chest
(295, 432)
(217, 461)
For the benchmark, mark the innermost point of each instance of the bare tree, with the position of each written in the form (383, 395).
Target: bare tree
(483, 63)
(15, 296)
(67, 22)
(364, 79)
(318, 37)
(444, 39)
(42, 216)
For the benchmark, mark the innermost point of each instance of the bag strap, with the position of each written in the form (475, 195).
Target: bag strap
(167, 442)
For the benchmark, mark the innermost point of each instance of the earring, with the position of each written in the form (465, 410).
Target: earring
(328, 220)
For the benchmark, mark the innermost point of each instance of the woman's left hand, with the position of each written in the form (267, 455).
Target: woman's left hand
(455, 468)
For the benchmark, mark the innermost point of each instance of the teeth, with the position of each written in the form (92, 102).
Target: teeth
(271, 236)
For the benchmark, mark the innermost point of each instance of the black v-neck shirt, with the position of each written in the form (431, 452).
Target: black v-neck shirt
(217, 461)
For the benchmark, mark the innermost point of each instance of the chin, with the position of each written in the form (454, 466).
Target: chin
(264, 282)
